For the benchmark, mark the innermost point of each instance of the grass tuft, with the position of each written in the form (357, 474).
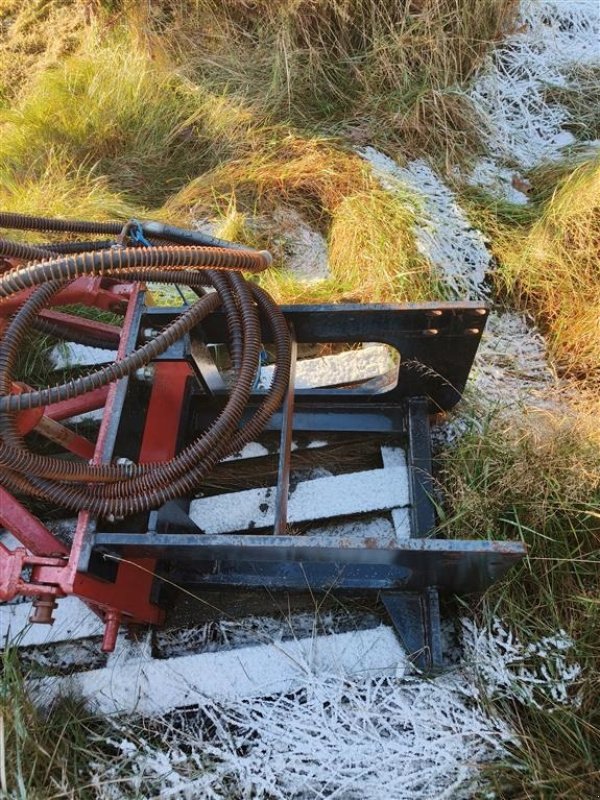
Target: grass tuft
(537, 478)
(552, 270)
(121, 111)
(372, 253)
(312, 174)
(381, 71)
(62, 190)
(41, 756)
(372, 250)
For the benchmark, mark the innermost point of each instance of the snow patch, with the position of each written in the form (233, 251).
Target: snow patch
(69, 354)
(251, 450)
(511, 365)
(305, 248)
(541, 674)
(443, 233)
(521, 125)
(134, 682)
(510, 372)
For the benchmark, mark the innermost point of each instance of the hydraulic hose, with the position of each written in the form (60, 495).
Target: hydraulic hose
(119, 490)
(23, 252)
(129, 261)
(170, 233)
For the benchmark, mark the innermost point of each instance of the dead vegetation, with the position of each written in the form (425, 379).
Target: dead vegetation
(552, 269)
(193, 110)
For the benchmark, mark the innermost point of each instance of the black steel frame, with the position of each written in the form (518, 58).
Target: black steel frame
(436, 344)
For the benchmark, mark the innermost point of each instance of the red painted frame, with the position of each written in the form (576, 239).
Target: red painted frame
(53, 567)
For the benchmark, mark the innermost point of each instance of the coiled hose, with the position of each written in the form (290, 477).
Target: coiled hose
(119, 490)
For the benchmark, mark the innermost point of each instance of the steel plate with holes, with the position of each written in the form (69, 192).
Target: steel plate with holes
(337, 495)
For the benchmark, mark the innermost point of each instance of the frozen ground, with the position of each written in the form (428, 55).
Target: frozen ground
(443, 233)
(305, 248)
(310, 716)
(523, 125)
(553, 39)
(511, 367)
(262, 708)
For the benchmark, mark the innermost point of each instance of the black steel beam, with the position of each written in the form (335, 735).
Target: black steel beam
(436, 342)
(451, 566)
(416, 617)
(422, 510)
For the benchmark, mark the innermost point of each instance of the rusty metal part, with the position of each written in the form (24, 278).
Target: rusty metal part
(42, 610)
(117, 489)
(285, 444)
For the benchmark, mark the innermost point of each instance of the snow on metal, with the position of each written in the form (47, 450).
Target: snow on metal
(148, 686)
(352, 366)
(396, 457)
(321, 498)
(70, 354)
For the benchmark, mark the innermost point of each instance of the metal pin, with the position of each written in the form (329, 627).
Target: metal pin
(42, 610)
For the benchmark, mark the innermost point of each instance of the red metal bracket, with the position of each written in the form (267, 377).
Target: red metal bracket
(54, 567)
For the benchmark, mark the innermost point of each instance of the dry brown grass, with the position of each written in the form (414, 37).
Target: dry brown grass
(34, 35)
(553, 270)
(378, 70)
(309, 173)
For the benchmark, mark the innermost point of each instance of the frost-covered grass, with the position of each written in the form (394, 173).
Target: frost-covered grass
(331, 735)
(247, 117)
(537, 478)
(40, 757)
(553, 48)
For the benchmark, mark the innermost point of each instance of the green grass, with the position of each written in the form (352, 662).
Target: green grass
(60, 189)
(198, 109)
(41, 757)
(120, 111)
(538, 480)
